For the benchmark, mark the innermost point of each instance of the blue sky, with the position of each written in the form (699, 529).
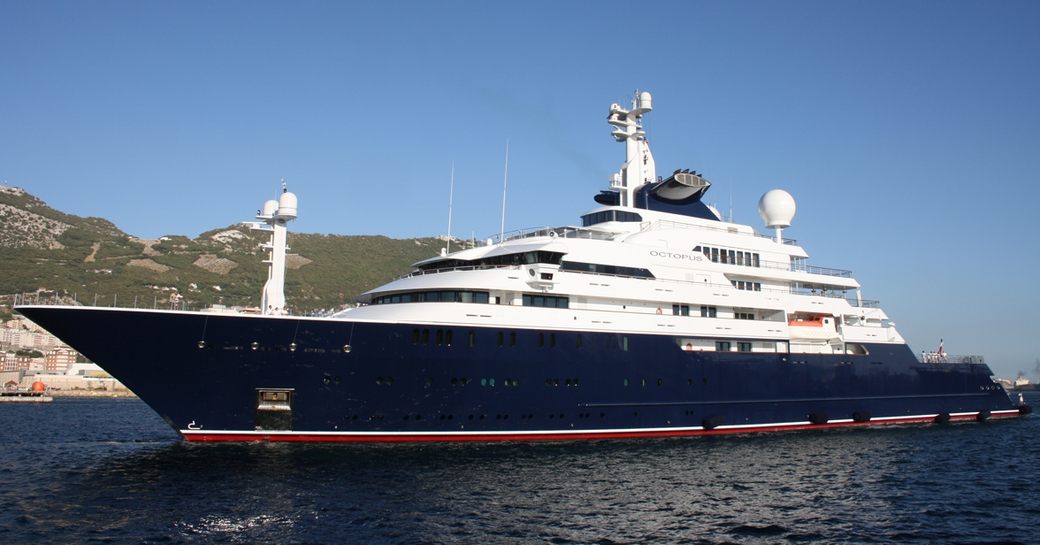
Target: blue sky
(908, 132)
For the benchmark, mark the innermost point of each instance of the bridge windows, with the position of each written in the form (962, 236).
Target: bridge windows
(730, 257)
(609, 215)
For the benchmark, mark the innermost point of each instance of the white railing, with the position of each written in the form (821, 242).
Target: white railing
(942, 357)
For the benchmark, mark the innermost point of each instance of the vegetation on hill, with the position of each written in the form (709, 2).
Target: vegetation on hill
(53, 256)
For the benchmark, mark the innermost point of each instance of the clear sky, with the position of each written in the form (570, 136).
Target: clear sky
(908, 132)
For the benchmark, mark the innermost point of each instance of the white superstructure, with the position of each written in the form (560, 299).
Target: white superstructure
(652, 260)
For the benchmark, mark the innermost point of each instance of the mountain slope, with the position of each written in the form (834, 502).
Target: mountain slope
(65, 257)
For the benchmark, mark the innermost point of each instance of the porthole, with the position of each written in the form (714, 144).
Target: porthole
(346, 349)
(292, 347)
(254, 345)
(202, 344)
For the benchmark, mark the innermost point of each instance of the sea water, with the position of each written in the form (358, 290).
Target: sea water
(110, 471)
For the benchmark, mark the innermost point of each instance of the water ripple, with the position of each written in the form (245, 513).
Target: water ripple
(104, 471)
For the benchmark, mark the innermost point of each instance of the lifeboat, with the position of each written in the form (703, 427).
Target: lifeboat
(813, 327)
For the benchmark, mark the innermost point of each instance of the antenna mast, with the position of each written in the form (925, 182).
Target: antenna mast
(451, 200)
(639, 168)
(505, 184)
(276, 214)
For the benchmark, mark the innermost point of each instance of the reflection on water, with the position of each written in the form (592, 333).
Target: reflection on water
(960, 483)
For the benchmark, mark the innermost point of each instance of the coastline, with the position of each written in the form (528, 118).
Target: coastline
(106, 394)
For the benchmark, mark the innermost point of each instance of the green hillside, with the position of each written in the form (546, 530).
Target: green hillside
(48, 254)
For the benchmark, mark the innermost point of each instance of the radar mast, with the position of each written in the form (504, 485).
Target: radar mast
(276, 214)
(639, 168)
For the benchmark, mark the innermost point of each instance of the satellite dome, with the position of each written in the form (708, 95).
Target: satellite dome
(270, 207)
(287, 205)
(776, 208)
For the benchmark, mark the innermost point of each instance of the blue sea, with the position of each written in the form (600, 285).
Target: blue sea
(110, 471)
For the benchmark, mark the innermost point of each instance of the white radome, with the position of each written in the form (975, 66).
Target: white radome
(777, 208)
(270, 207)
(287, 205)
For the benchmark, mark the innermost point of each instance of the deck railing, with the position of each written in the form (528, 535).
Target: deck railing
(100, 300)
(942, 357)
(834, 294)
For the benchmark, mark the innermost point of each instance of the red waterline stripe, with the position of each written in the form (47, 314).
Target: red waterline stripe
(551, 436)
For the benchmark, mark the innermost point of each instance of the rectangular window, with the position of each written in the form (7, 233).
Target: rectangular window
(754, 260)
(545, 301)
(740, 258)
(709, 312)
(501, 338)
(578, 341)
(715, 255)
(744, 347)
(722, 346)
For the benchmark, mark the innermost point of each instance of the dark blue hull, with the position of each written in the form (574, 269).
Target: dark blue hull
(207, 375)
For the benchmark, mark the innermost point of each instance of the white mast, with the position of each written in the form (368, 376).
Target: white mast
(451, 199)
(639, 168)
(276, 214)
(505, 185)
